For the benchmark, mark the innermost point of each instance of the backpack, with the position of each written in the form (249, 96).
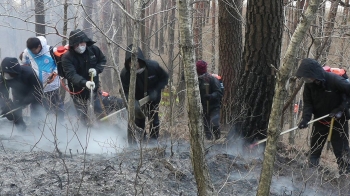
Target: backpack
(338, 71)
(220, 80)
(56, 54)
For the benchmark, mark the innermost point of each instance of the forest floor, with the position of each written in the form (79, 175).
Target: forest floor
(99, 162)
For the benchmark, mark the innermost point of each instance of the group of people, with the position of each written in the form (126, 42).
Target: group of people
(35, 81)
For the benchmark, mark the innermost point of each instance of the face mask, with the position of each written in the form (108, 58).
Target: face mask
(7, 76)
(140, 70)
(80, 49)
(308, 80)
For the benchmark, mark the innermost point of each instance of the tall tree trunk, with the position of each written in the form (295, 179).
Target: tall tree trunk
(318, 30)
(230, 52)
(143, 26)
(162, 27)
(132, 131)
(171, 38)
(279, 97)
(64, 42)
(328, 32)
(118, 22)
(150, 28)
(39, 17)
(197, 31)
(261, 57)
(156, 37)
(87, 27)
(342, 32)
(213, 35)
(195, 111)
(106, 19)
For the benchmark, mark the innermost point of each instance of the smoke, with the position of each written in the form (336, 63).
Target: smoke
(69, 136)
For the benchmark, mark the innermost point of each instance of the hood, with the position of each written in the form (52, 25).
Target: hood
(78, 36)
(310, 68)
(140, 57)
(10, 65)
(45, 48)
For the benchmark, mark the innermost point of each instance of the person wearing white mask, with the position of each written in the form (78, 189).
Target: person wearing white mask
(83, 60)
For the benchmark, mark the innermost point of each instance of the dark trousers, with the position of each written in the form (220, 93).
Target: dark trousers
(339, 140)
(53, 103)
(81, 105)
(17, 117)
(212, 124)
(151, 111)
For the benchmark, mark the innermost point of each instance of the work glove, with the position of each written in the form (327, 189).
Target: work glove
(90, 85)
(208, 97)
(153, 95)
(303, 124)
(336, 113)
(92, 72)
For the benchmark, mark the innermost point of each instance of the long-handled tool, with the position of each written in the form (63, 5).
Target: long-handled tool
(329, 138)
(207, 92)
(286, 131)
(50, 79)
(10, 112)
(142, 102)
(91, 113)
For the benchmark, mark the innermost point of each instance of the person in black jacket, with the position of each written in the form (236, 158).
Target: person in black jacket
(26, 89)
(325, 93)
(211, 94)
(83, 60)
(150, 80)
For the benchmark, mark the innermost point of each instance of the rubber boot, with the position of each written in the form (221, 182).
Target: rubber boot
(314, 161)
(217, 133)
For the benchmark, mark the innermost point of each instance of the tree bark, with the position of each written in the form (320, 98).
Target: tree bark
(87, 27)
(132, 131)
(261, 56)
(342, 32)
(324, 49)
(39, 17)
(171, 38)
(279, 97)
(195, 111)
(230, 53)
(197, 29)
(213, 35)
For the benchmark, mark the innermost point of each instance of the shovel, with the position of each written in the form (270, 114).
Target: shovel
(91, 106)
(286, 131)
(207, 92)
(329, 138)
(142, 102)
(10, 112)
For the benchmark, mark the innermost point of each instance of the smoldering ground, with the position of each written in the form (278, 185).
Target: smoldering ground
(29, 164)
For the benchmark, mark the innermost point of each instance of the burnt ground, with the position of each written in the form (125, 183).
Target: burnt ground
(31, 165)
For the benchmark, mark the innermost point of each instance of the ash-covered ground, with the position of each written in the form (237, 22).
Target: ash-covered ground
(67, 159)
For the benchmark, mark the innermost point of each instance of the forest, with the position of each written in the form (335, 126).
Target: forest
(256, 46)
